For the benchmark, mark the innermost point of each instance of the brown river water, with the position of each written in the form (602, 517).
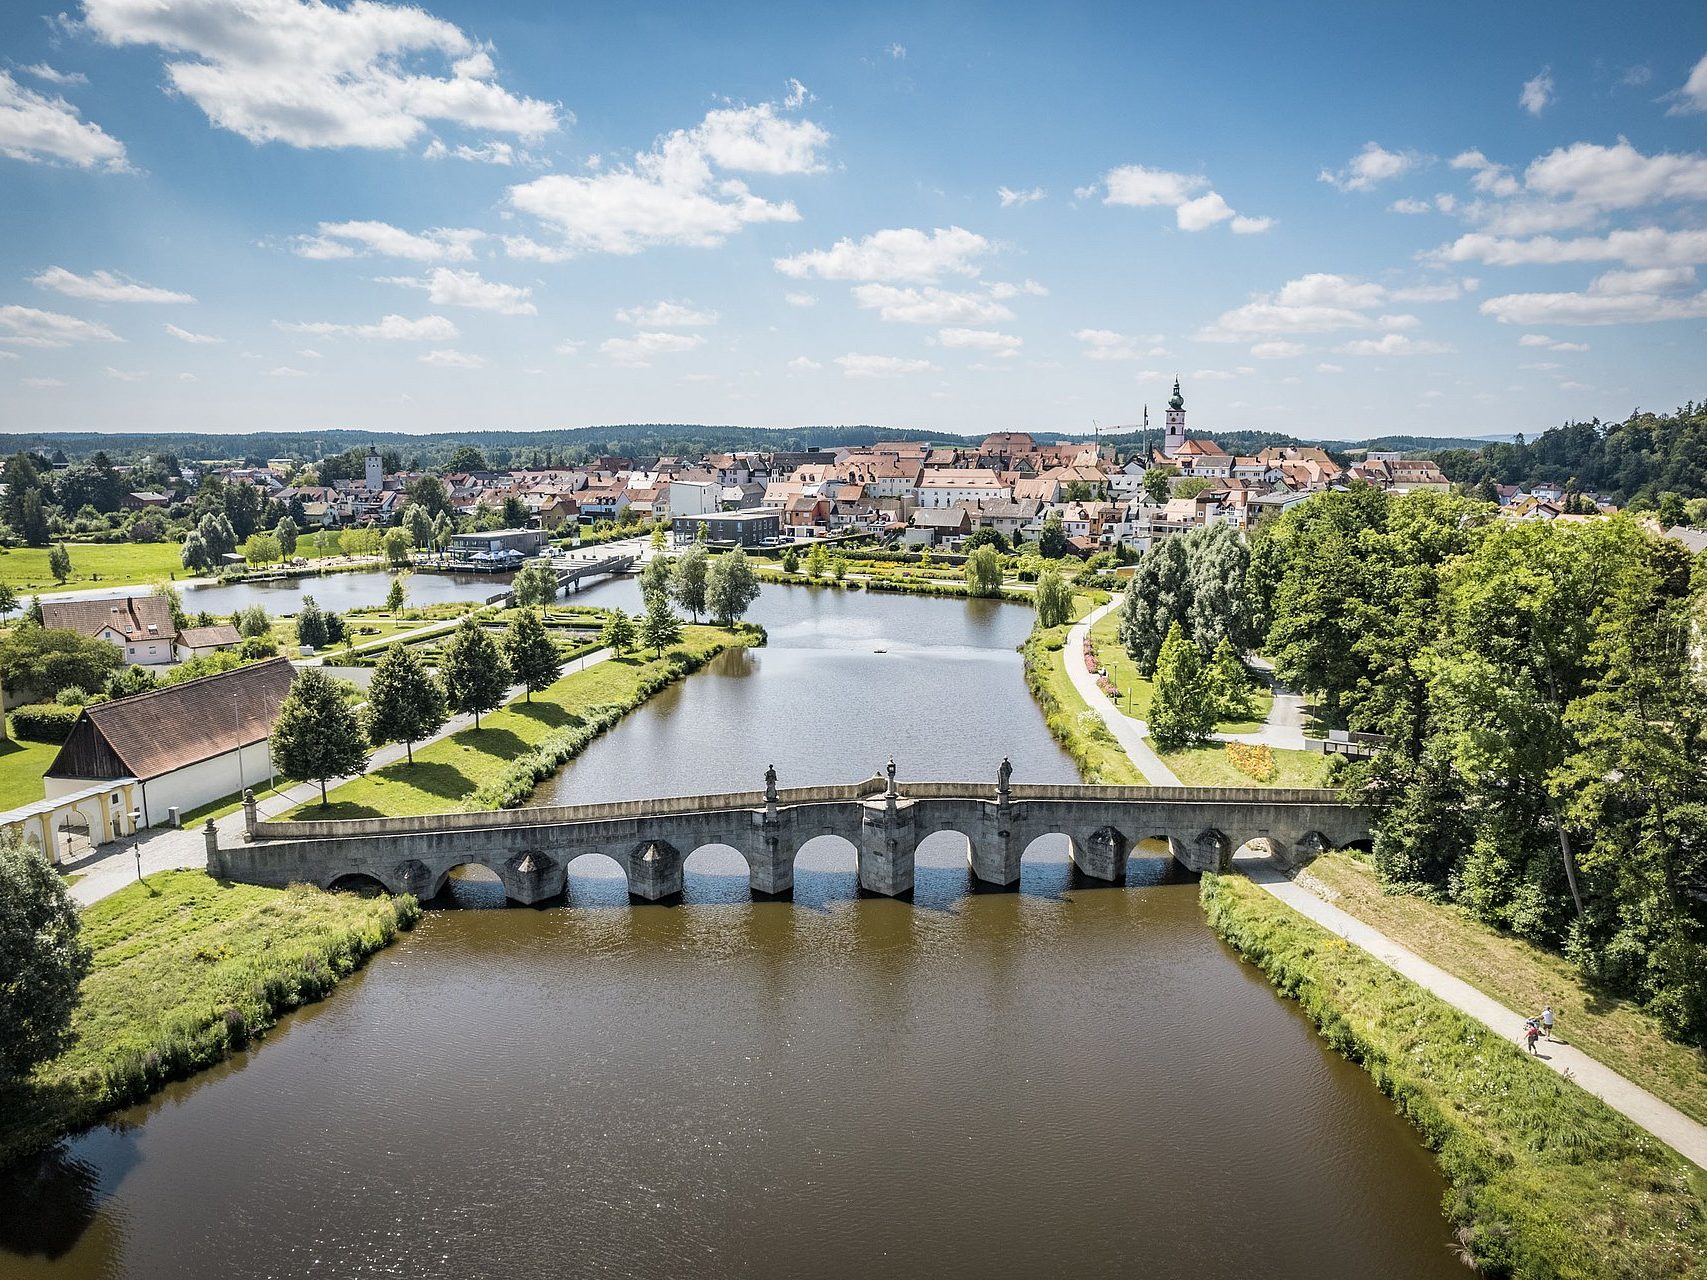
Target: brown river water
(1070, 1079)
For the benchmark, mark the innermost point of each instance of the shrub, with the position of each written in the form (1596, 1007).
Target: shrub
(44, 722)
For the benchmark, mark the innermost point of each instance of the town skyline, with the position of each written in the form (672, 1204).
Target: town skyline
(470, 220)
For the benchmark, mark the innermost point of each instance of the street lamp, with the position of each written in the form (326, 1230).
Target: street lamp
(237, 733)
(136, 841)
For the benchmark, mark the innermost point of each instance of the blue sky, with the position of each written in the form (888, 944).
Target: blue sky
(278, 214)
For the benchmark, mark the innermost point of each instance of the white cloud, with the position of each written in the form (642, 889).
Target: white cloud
(666, 315)
(1370, 167)
(1486, 176)
(1640, 247)
(1537, 92)
(672, 194)
(389, 329)
(1009, 197)
(126, 375)
(1277, 350)
(1614, 297)
(1218, 375)
(41, 382)
(1330, 368)
(1106, 344)
(103, 286)
(1617, 177)
(492, 152)
(449, 359)
(1392, 344)
(350, 239)
(1693, 95)
(196, 339)
(9, 355)
(568, 347)
(311, 74)
(896, 51)
(1535, 340)
(29, 327)
(855, 365)
(800, 299)
(285, 371)
(1406, 204)
(638, 351)
(309, 353)
(47, 129)
(1002, 344)
(1003, 290)
(1140, 187)
(448, 287)
(798, 95)
(41, 71)
(804, 364)
(1320, 303)
(899, 253)
(929, 305)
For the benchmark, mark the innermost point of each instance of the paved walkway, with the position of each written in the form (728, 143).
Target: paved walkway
(1284, 727)
(1133, 735)
(1685, 1136)
(112, 866)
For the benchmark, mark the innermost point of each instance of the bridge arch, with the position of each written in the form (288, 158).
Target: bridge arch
(593, 877)
(362, 883)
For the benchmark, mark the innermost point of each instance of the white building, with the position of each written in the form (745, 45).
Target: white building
(945, 486)
(694, 497)
(140, 626)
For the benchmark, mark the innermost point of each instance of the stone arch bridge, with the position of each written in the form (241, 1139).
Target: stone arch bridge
(530, 849)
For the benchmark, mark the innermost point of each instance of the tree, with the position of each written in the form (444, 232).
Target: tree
(618, 633)
(443, 530)
(838, 567)
(8, 600)
(1191, 486)
(261, 548)
(1229, 686)
(419, 522)
(657, 539)
(655, 579)
(514, 513)
(197, 557)
(42, 957)
(532, 654)
(252, 620)
(985, 537)
(1052, 540)
(396, 594)
(689, 585)
(1054, 599)
(466, 458)
(44, 660)
(1217, 561)
(659, 626)
(816, 561)
(287, 533)
(23, 505)
(311, 630)
(790, 561)
(317, 735)
(731, 587)
(397, 547)
(429, 493)
(34, 526)
(984, 572)
(535, 585)
(1157, 599)
(59, 562)
(1182, 712)
(130, 682)
(218, 535)
(1157, 486)
(404, 703)
(174, 604)
(473, 670)
(32, 613)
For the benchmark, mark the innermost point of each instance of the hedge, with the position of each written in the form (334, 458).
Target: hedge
(44, 722)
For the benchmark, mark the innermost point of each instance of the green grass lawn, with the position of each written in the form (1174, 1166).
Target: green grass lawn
(93, 564)
(21, 767)
(447, 772)
(1546, 1180)
(1525, 977)
(185, 970)
(1210, 767)
(1095, 750)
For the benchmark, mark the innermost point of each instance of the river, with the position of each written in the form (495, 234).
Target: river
(1067, 1080)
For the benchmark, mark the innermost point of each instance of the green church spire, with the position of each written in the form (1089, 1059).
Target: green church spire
(1177, 401)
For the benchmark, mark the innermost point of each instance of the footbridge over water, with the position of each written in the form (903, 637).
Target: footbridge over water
(572, 573)
(531, 849)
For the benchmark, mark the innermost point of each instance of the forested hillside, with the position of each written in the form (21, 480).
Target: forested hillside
(1633, 463)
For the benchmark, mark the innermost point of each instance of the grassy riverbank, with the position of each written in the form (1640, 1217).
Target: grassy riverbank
(1095, 750)
(1546, 1180)
(499, 763)
(93, 564)
(1525, 977)
(186, 971)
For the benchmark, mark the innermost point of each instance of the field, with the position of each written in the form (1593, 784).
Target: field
(1210, 766)
(448, 773)
(185, 971)
(1546, 1180)
(93, 564)
(1525, 977)
(21, 767)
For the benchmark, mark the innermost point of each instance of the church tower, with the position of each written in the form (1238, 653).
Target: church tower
(375, 475)
(1174, 434)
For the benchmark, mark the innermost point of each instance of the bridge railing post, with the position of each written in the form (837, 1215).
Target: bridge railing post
(251, 815)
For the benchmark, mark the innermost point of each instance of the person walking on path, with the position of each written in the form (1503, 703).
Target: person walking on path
(1547, 1021)
(1531, 1033)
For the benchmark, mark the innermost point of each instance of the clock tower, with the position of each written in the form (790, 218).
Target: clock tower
(1174, 434)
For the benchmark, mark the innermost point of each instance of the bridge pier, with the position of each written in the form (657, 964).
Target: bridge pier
(1101, 854)
(1210, 851)
(655, 871)
(532, 878)
(770, 869)
(887, 843)
(995, 854)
